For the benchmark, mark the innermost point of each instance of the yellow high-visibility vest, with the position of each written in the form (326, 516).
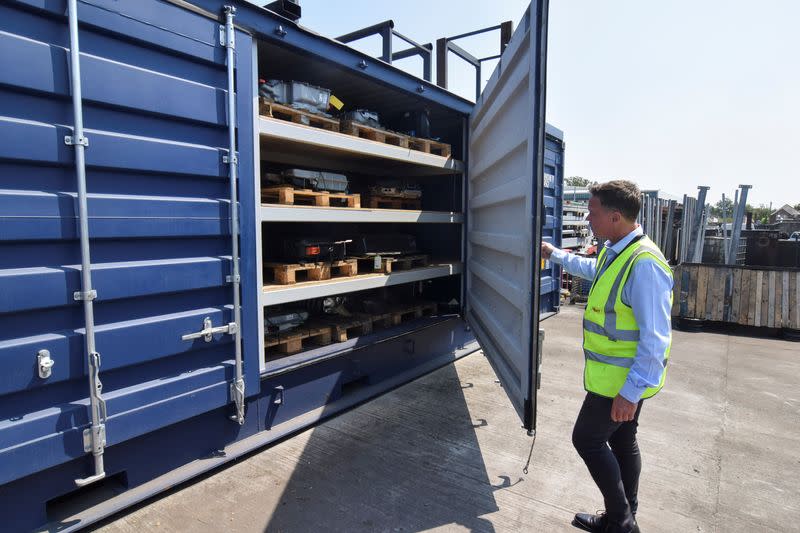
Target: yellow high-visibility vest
(610, 332)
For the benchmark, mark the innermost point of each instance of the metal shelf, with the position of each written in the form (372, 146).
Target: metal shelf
(295, 213)
(281, 294)
(287, 142)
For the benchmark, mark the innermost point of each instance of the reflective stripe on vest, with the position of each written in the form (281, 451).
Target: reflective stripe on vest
(611, 335)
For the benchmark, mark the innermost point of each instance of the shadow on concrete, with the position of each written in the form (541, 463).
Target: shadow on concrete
(393, 465)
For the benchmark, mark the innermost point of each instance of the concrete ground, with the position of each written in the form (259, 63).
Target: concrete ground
(720, 447)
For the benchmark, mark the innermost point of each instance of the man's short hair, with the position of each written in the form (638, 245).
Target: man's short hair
(621, 195)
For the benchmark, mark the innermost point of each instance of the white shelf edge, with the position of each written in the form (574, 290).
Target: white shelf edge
(299, 133)
(295, 213)
(275, 295)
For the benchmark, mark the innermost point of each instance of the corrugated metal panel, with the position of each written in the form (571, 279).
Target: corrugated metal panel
(154, 87)
(505, 198)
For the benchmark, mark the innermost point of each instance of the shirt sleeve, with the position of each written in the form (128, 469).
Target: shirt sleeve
(575, 265)
(647, 292)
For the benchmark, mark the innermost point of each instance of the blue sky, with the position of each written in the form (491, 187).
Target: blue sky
(669, 94)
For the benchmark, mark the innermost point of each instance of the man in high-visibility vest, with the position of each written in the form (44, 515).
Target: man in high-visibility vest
(626, 344)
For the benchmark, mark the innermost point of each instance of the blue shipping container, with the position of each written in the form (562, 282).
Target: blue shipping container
(156, 106)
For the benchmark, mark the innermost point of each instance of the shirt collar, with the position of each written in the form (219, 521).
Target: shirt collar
(623, 242)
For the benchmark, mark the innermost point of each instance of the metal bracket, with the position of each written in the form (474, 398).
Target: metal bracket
(237, 392)
(45, 363)
(80, 296)
(280, 32)
(231, 279)
(228, 41)
(226, 159)
(98, 443)
(278, 395)
(69, 140)
(208, 331)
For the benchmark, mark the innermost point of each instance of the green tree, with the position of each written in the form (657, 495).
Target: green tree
(578, 181)
(723, 207)
(760, 213)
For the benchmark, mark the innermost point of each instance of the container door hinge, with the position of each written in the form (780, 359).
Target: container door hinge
(69, 140)
(80, 296)
(208, 331)
(226, 159)
(231, 279)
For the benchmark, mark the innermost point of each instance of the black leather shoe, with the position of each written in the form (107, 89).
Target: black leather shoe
(590, 522)
(631, 527)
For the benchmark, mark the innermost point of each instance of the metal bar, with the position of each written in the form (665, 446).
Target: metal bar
(463, 54)
(412, 42)
(411, 52)
(237, 388)
(702, 240)
(498, 56)
(366, 32)
(696, 225)
(478, 32)
(506, 31)
(386, 35)
(669, 231)
(724, 230)
(737, 225)
(441, 63)
(95, 435)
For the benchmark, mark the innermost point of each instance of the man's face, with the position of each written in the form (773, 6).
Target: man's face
(602, 219)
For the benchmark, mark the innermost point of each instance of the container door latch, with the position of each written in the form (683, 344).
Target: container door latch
(208, 331)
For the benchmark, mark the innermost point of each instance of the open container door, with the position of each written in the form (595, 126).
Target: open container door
(504, 203)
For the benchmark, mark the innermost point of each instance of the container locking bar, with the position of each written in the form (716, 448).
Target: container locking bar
(94, 437)
(208, 331)
(237, 387)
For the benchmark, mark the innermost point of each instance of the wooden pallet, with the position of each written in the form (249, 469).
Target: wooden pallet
(288, 195)
(392, 202)
(390, 264)
(298, 116)
(374, 134)
(343, 328)
(403, 313)
(429, 146)
(300, 339)
(291, 273)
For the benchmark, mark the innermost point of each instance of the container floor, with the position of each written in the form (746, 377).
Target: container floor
(446, 453)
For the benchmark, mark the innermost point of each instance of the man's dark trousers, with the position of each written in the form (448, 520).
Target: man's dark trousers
(611, 453)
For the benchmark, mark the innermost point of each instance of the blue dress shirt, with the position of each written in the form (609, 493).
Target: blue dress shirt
(647, 292)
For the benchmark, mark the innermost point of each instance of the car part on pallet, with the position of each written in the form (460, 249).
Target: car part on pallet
(330, 305)
(363, 116)
(396, 189)
(415, 123)
(284, 321)
(306, 249)
(296, 94)
(383, 244)
(316, 180)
